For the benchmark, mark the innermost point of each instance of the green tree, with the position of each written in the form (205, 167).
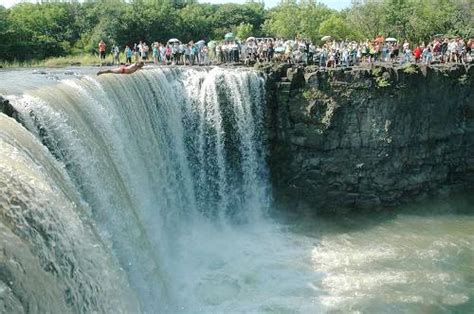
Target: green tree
(311, 16)
(196, 22)
(283, 20)
(228, 16)
(244, 30)
(53, 28)
(335, 27)
(415, 20)
(291, 19)
(48, 22)
(397, 15)
(365, 20)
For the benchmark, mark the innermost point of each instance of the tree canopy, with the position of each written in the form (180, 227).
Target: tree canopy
(37, 31)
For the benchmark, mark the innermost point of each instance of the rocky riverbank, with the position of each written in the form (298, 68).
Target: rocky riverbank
(369, 138)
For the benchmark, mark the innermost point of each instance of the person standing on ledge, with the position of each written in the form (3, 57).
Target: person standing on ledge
(124, 69)
(102, 47)
(128, 55)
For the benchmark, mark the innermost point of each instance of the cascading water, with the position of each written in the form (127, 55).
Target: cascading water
(168, 160)
(52, 260)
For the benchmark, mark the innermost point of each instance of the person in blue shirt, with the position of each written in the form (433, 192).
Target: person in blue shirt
(128, 55)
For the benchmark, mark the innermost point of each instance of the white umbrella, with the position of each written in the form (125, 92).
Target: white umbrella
(391, 39)
(173, 40)
(201, 42)
(326, 38)
(279, 49)
(251, 39)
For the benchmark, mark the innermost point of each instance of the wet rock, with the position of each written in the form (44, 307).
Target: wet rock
(296, 77)
(40, 72)
(7, 108)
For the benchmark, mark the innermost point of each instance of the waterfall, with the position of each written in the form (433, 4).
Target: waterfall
(149, 193)
(145, 166)
(52, 259)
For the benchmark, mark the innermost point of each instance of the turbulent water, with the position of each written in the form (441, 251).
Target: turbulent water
(150, 193)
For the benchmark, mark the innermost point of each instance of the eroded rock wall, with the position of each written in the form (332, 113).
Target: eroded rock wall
(370, 138)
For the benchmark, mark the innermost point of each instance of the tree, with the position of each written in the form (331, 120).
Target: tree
(244, 30)
(335, 27)
(283, 20)
(311, 16)
(196, 21)
(53, 28)
(291, 19)
(47, 22)
(365, 20)
(228, 16)
(397, 15)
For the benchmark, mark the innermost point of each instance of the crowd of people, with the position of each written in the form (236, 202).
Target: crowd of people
(380, 50)
(330, 53)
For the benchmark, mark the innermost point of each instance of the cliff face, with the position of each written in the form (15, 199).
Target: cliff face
(370, 138)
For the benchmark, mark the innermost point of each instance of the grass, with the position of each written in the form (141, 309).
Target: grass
(55, 62)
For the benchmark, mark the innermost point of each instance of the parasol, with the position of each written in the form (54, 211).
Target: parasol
(279, 49)
(229, 36)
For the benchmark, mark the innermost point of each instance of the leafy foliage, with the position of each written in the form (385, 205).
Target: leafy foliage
(244, 30)
(413, 20)
(36, 31)
(336, 27)
(290, 19)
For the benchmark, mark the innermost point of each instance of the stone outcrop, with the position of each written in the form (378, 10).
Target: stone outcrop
(7, 108)
(369, 138)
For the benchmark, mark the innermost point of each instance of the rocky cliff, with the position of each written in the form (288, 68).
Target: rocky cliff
(370, 137)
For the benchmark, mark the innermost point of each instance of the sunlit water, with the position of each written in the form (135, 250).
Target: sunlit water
(155, 184)
(419, 260)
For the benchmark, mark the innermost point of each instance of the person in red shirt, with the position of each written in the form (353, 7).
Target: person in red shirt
(417, 53)
(102, 47)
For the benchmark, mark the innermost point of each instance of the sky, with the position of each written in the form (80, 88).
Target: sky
(334, 4)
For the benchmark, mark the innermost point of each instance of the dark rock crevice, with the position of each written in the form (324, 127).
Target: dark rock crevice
(7, 108)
